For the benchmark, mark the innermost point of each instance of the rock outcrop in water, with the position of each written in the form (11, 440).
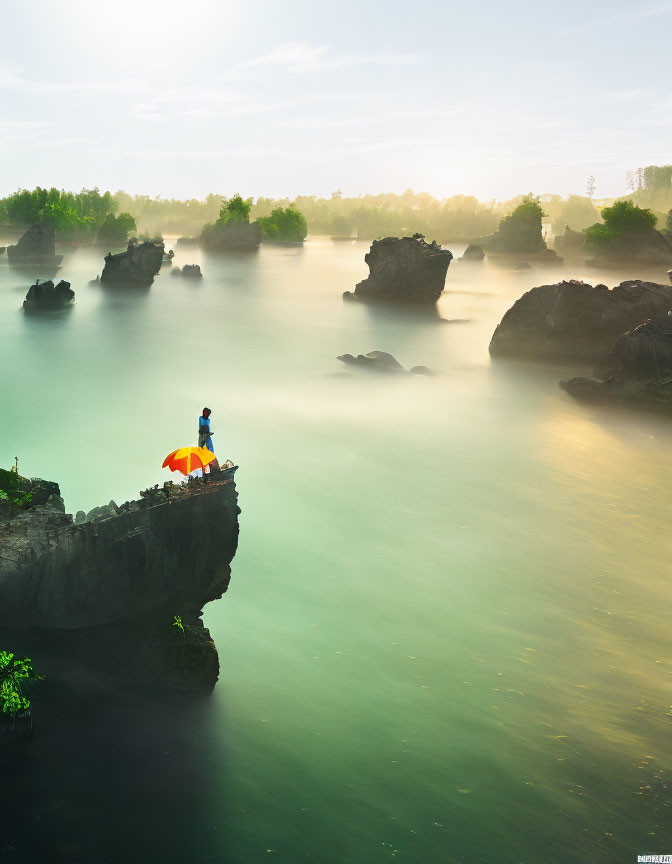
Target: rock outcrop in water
(641, 354)
(574, 321)
(380, 361)
(138, 265)
(46, 295)
(637, 369)
(645, 246)
(37, 246)
(570, 243)
(232, 236)
(473, 253)
(407, 270)
(189, 271)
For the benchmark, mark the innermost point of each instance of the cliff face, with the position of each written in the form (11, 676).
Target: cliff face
(172, 548)
(407, 270)
(572, 320)
(138, 265)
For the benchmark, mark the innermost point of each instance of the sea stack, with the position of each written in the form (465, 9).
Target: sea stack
(46, 295)
(138, 265)
(37, 246)
(404, 270)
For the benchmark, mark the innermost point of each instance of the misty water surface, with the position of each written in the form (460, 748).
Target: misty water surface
(447, 632)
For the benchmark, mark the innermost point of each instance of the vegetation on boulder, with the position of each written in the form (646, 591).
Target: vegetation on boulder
(520, 231)
(284, 225)
(629, 232)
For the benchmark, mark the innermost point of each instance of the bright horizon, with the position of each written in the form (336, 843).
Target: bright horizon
(182, 100)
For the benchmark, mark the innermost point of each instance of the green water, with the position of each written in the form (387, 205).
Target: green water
(447, 632)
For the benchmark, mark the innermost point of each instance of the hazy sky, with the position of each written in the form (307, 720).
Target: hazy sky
(285, 98)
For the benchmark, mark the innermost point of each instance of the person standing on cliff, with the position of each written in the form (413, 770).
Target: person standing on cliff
(205, 435)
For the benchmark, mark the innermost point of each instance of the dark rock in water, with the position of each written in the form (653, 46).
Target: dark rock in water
(46, 295)
(186, 241)
(408, 270)
(233, 236)
(570, 243)
(640, 394)
(189, 271)
(473, 253)
(380, 361)
(167, 258)
(172, 549)
(646, 246)
(572, 320)
(641, 354)
(548, 258)
(36, 246)
(138, 265)
(522, 266)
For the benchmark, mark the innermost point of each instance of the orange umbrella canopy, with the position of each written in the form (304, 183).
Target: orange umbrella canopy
(187, 459)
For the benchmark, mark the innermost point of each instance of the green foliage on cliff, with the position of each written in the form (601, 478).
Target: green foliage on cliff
(287, 224)
(11, 489)
(116, 229)
(623, 217)
(520, 231)
(13, 671)
(236, 209)
(70, 212)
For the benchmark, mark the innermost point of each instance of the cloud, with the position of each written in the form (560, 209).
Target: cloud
(302, 57)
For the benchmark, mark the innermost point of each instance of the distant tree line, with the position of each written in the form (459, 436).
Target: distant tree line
(89, 214)
(76, 215)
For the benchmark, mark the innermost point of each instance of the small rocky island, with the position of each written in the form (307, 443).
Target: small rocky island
(36, 247)
(572, 320)
(138, 265)
(46, 295)
(380, 361)
(404, 270)
(189, 271)
(140, 572)
(519, 235)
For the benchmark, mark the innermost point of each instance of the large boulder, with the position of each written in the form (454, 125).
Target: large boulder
(408, 270)
(138, 265)
(36, 245)
(46, 295)
(641, 354)
(574, 321)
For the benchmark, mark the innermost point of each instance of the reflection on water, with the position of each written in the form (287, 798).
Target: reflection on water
(445, 636)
